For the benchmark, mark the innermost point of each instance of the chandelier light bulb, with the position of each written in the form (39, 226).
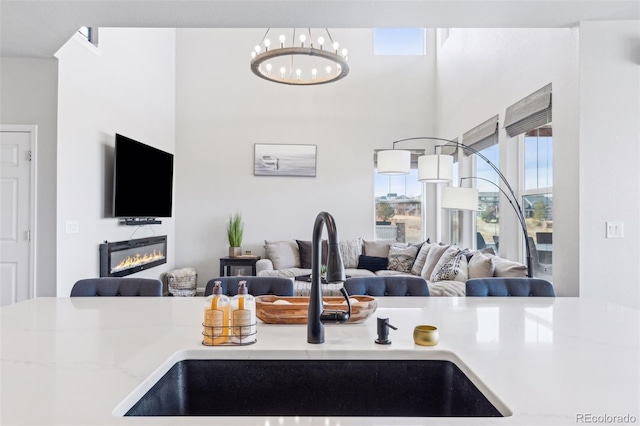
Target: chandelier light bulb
(253, 54)
(267, 43)
(269, 69)
(328, 70)
(298, 73)
(314, 73)
(303, 38)
(257, 49)
(344, 53)
(320, 41)
(282, 39)
(335, 46)
(283, 70)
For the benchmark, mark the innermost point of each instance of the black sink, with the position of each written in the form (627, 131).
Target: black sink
(378, 388)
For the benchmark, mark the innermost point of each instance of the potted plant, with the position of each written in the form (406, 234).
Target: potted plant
(235, 229)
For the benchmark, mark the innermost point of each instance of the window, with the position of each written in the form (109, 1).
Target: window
(488, 214)
(90, 33)
(399, 41)
(398, 204)
(537, 198)
(454, 225)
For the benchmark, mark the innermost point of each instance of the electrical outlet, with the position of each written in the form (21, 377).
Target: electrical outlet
(72, 227)
(615, 229)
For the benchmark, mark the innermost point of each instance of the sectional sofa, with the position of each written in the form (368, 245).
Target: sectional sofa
(446, 268)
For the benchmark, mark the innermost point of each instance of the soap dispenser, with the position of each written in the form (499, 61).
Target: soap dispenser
(216, 317)
(383, 331)
(243, 316)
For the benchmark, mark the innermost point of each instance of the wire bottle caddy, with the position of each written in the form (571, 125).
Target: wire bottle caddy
(229, 322)
(217, 335)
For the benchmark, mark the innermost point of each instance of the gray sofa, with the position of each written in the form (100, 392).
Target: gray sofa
(446, 268)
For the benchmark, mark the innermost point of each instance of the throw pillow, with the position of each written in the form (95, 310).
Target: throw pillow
(507, 268)
(372, 263)
(351, 250)
(401, 258)
(283, 254)
(421, 257)
(480, 266)
(305, 248)
(378, 248)
(454, 269)
(435, 252)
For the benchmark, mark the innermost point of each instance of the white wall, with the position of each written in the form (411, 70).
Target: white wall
(609, 159)
(480, 72)
(128, 88)
(29, 95)
(222, 110)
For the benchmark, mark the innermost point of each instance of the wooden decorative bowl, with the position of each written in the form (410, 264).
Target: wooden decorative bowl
(297, 308)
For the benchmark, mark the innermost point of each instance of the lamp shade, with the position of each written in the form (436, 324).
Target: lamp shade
(435, 168)
(394, 162)
(458, 198)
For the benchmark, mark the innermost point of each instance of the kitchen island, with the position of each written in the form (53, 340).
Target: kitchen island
(73, 361)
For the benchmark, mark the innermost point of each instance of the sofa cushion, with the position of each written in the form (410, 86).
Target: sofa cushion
(387, 272)
(305, 248)
(377, 248)
(507, 268)
(351, 251)
(480, 266)
(283, 254)
(435, 252)
(372, 263)
(286, 272)
(447, 288)
(452, 266)
(401, 258)
(421, 257)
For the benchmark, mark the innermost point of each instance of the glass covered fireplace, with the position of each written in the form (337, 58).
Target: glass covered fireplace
(122, 258)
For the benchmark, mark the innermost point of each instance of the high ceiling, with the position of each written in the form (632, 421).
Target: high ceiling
(38, 28)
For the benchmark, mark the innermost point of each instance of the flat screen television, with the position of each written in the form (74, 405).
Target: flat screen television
(143, 180)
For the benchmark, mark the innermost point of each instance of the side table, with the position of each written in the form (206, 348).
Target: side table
(227, 262)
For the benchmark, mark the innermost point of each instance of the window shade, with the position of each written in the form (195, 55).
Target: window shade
(529, 113)
(482, 136)
(450, 150)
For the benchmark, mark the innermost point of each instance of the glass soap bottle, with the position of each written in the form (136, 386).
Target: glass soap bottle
(216, 317)
(243, 316)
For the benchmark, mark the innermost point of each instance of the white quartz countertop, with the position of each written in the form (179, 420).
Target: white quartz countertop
(73, 361)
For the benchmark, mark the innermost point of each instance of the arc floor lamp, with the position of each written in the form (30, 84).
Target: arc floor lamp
(438, 167)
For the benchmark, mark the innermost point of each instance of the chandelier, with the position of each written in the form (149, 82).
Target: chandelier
(302, 62)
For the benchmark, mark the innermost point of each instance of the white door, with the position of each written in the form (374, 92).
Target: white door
(15, 214)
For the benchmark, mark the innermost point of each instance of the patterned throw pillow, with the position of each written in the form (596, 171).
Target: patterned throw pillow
(454, 268)
(435, 253)
(401, 258)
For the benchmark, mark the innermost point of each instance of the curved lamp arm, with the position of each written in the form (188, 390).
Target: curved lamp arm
(520, 215)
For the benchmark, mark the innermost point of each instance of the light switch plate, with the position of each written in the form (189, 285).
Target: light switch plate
(615, 229)
(72, 227)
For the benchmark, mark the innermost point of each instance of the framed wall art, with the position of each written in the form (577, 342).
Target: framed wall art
(284, 160)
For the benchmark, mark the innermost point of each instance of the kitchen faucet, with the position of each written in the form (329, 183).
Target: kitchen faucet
(335, 273)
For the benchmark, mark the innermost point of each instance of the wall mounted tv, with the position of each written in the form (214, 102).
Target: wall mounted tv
(143, 180)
